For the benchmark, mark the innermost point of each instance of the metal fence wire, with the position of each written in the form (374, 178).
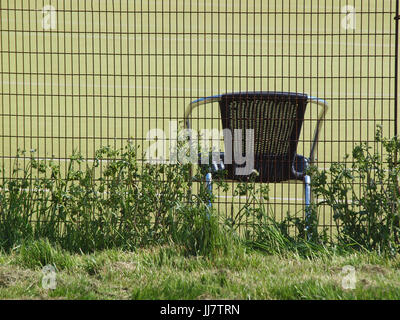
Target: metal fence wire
(78, 75)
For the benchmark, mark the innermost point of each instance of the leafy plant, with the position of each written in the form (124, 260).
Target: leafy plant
(112, 202)
(365, 195)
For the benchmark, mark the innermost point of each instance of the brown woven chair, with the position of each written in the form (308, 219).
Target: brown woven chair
(275, 120)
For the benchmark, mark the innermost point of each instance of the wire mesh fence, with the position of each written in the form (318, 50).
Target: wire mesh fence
(79, 75)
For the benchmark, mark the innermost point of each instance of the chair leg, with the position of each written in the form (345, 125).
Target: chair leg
(209, 185)
(307, 186)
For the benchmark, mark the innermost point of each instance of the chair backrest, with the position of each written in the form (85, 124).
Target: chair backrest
(276, 119)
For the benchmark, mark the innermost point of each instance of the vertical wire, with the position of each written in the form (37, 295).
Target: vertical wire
(3, 111)
(163, 54)
(296, 59)
(150, 55)
(368, 71)
(23, 115)
(46, 115)
(9, 82)
(79, 120)
(115, 75)
(141, 117)
(107, 73)
(396, 77)
(16, 78)
(59, 94)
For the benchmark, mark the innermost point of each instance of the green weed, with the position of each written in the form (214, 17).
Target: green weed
(364, 196)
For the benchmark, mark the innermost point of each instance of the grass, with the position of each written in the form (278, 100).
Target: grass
(165, 272)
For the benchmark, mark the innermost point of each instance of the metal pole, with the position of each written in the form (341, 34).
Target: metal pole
(209, 185)
(307, 188)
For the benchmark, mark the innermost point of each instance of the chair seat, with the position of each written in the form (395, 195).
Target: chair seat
(263, 165)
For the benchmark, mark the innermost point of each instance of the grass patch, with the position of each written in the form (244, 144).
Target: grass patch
(39, 253)
(167, 272)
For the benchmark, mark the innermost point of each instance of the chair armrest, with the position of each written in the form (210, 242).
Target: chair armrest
(320, 121)
(194, 104)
